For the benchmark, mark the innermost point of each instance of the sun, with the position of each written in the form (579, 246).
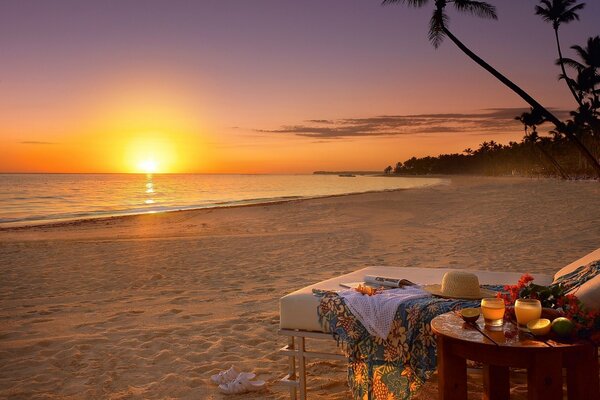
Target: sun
(151, 153)
(148, 166)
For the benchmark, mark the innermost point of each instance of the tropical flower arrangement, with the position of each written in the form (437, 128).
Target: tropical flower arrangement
(556, 302)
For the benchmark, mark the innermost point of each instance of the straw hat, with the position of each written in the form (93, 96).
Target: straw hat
(459, 285)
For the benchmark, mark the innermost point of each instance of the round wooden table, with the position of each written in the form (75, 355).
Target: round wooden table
(544, 360)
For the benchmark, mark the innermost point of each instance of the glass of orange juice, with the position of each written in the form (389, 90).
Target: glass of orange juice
(527, 310)
(493, 311)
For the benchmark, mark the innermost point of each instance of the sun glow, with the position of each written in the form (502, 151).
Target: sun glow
(151, 153)
(148, 166)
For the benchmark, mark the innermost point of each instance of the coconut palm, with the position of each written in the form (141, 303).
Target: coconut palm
(590, 54)
(559, 12)
(438, 30)
(532, 119)
(586, 120)
(587, 69)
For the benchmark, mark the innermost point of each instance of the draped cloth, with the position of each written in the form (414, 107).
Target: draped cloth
(377, 313)
(393, 368)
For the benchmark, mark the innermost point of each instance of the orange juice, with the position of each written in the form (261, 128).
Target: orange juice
(527, 310)
(493, 311)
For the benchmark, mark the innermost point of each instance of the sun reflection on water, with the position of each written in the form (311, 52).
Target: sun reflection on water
(149, 189)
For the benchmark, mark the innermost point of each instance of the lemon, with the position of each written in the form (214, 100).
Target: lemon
(539, 327)
(562, 326)
(470, 314)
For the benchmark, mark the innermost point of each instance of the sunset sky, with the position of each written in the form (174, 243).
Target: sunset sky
(260, 86)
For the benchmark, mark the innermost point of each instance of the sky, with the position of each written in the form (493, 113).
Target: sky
(261, 86)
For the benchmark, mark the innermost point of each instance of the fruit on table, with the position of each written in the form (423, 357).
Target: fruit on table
(539, 327)
(562, 326)
(470, 314)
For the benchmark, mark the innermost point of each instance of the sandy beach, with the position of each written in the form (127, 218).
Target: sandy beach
(148, 307)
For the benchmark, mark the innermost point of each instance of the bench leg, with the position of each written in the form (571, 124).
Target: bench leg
(292, 367)
(302, 367)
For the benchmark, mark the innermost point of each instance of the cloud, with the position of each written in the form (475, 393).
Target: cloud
(495, 120)
(36, 142)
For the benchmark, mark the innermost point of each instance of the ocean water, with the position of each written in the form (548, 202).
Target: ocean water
(27, 199)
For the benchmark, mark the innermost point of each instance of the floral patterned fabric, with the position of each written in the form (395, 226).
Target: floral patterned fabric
(578, 277)
(394, 368)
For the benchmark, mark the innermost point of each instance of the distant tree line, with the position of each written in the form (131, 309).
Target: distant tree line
(574, 147)
(543, 156)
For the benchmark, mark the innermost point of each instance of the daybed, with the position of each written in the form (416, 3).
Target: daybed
(299, 320)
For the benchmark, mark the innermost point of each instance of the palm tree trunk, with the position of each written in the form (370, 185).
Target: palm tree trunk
(552, 161)
(560, 126)
(562, 67)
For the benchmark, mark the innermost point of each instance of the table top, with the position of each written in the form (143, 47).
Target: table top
(453, 326)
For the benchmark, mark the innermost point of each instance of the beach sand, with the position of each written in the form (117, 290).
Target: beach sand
(148, 307)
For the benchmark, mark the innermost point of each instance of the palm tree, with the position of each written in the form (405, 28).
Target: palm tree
(438, 29)
(557, 12)
(388, 170)
(531, 120)
(587, 69)
(587, 117)
(398, 168)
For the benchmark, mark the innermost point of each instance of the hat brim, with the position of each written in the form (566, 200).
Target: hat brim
(436, 290)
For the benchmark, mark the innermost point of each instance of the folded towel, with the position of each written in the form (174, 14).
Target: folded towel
(377, 312)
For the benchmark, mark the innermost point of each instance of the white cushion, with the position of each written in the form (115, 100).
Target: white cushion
(298, 310)
(588, 258)
(589, 293)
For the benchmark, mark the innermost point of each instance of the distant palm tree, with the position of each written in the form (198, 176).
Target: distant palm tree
(531, 120)
(587, 69)
(438, 29)
(388, 170)
(398, 168)
(558, 12)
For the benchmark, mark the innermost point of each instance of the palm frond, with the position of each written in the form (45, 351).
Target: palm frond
(573, 11)
(478, 8)
(571, 63)
(438, 21)
(559, 11)
(545, 13)
(581, 52)
(410, 3)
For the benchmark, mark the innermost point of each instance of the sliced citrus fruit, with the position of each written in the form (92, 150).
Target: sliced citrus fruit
(470, 314)
(539, 327)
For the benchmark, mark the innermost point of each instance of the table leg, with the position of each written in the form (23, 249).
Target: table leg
(582, 374)
(544, 376)
(495, 383)
(452, 372)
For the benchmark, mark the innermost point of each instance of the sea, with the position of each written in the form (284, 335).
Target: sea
(33, 199)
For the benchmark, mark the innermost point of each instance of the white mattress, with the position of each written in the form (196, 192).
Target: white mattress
(298, 310)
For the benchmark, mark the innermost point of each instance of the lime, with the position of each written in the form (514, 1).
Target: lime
(562, 326)
(470, 314)
(539, 327)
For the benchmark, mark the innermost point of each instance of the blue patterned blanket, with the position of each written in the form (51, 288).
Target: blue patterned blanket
(394, 368)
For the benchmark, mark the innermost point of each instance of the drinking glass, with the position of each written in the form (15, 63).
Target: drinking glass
(527, 310)
(493, 311)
